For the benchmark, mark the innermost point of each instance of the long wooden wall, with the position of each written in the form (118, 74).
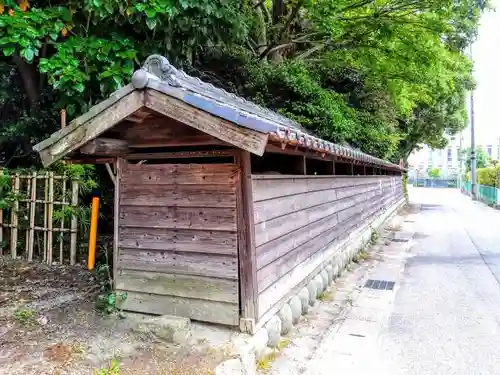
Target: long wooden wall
(298, 217)
(177, 250)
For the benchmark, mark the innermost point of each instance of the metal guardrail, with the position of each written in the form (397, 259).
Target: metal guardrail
(487, 194)
(433, 183)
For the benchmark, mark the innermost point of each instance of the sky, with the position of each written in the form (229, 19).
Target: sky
(486, 55)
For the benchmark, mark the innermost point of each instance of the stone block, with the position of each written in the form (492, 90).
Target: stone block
(164, 328)
(319, 285)
(241, 365)
(304, 299)
(329, 272)
(273, 327)
(295, 304)
(312, 288)
(285, 315)
(259, 342)
(325, 278)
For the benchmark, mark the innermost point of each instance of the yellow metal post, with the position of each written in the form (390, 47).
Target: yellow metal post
(93, 232)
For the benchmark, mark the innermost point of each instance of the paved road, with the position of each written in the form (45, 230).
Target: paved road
(446, 313)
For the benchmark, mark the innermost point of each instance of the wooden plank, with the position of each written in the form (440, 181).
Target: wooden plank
(120, 164)
(14, 218)
(246, 240)
(105, 147)
(277, 227)
(294, 258)
(181, 154)
(177, 263)
(240, 137)
(210, 218)
(79, 121)
(28, 205)
(279, 247)
(93, 128)
(196, 309)
(278, 186)
(199, 287)
(168, 174)
(197, 241)
(178, 195)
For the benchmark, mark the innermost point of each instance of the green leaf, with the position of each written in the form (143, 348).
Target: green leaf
(54, 36)
(79, 87)
(28, 54)
(151, 23)
(8, 51)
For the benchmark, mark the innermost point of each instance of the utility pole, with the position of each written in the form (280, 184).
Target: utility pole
(472, 140)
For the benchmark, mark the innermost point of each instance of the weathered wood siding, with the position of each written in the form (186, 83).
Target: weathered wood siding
(178, 245)
(298, 217)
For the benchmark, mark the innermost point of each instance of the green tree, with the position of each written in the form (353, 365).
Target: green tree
(434, 173)
(482, 158)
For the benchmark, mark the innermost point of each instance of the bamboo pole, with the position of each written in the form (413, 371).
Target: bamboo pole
(45, 212)
(1, 232)
(27, 231)
(31, 236)
(61, 237)
(50, 217)
(14, 219)
(74, 222)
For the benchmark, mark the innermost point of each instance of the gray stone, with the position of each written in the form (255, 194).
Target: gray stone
(140, 79)
(242, 365)
(312, 288)
(329, 272)
(295, 304)
(319, 285)
(259, 342)
(324, 276)
(273, 327)
(335, 271)
(165, 328)
(285, 315)
(304, 299)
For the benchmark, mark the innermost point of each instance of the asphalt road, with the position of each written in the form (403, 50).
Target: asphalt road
(446, 313)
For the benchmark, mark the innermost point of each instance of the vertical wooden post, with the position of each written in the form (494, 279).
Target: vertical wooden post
(364, 169)
(74, 222)
(119, 165)
(246, 245)
(352, 169)
(14, 218)
(31, 235)
(61, 232)
(50, 217)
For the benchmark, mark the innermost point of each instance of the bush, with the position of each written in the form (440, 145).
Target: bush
(486, 176)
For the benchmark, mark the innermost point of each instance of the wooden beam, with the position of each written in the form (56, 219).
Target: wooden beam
(79, 121)
(181, 154)
(116, 217)
(246, 240)
(275, 149)
(88, 160)
(105, 147)
(240, 137)
(105, 120)
(199, 140)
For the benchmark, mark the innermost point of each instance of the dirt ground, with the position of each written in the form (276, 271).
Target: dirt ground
(49, 325)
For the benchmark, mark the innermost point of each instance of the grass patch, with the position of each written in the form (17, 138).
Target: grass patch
(326, 295)
(26, 317)
(364, 255)
(112, 369)
(265, 362)
(374, 237)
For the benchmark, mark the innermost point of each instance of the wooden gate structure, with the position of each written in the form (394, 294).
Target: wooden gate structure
(223, 209)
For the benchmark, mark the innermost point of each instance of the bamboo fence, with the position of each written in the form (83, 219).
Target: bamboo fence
(41, 222)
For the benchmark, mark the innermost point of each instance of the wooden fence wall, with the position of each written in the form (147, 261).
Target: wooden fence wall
(298, 217)
(37, 218)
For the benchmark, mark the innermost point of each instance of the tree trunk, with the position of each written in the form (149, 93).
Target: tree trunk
(30, 78)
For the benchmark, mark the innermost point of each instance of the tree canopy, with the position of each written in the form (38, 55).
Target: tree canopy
(383, 76)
